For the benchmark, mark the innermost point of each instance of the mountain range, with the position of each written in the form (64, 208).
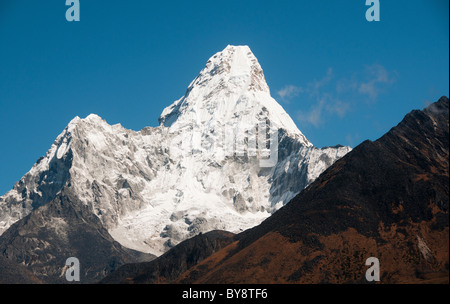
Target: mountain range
(225, 156)
(228, 190)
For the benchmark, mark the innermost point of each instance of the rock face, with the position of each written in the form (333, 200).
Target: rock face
(386, 199)
(211, 164)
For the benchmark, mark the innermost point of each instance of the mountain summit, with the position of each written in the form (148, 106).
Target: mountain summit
(154, 188)
(231, 90)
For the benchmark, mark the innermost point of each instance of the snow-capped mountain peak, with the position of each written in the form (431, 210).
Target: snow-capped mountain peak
(151, 192)
(231, 90)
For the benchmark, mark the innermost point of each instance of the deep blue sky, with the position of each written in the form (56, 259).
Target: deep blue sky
(341, 78)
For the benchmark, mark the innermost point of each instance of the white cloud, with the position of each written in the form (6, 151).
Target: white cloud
(314, 116)
(312, 88)
(353, 139)
(330, 96)
(346, 85)
(318, 84)
(289, 92)
(338, 107)
(377, 77)
(325, 101)
(324, 104)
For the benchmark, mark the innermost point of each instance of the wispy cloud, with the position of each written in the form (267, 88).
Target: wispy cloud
(314, 115)
(345, 85)
(316, 85)
(324, 104)
(338, 107)
(312, 88)
(332, 96)
(377, 76)
(325, 100)
(353, 139)
(289, 92)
